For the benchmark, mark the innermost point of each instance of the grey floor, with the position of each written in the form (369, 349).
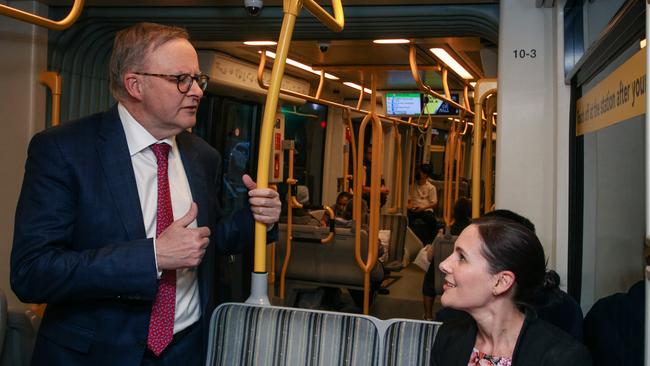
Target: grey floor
(404, 299)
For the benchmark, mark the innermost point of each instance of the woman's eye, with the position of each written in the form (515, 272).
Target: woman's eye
(461, 257)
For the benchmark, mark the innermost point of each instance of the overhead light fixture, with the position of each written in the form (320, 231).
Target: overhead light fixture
(356, 86)
(391, 41)
(260, 43)
(302, 66)
(446, 58)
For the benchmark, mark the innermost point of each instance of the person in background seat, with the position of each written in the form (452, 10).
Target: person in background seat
(422, 201)
(342, 200)
(462, 218)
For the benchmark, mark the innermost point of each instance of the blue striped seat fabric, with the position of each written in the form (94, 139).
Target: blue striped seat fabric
(243, 334)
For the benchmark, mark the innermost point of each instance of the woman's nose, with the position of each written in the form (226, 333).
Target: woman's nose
(444, 265)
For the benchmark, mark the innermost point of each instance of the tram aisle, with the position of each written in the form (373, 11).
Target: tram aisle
(403, 300)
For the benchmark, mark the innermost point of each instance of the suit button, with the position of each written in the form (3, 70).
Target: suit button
(118, 297)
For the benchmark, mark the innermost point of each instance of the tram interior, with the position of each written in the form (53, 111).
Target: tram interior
(317, 132)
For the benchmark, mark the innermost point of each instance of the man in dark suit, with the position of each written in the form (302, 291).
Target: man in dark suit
(118, 223)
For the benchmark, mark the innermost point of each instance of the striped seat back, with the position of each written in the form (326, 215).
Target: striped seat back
(243, 334)
(409, 342)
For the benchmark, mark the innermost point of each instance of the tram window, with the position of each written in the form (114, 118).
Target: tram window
(231, 126)
(307, 126)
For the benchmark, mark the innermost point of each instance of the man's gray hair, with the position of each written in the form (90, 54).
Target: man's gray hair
(131, 48)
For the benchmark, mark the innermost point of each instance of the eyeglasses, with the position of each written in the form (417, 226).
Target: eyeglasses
(183, 81)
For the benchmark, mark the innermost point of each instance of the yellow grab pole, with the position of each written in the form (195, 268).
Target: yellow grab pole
(398, 172)
(488, 158)
(52, 80)
(288, 22)
(290, 204)
(482, 89)
(353, 147)
(476, 159)
(44, 22)
(375, 187)
(291, 9)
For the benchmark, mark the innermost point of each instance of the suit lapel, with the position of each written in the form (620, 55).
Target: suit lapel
(114, 155)
(197, 180)
(195, 176)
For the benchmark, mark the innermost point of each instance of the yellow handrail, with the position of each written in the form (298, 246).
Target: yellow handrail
(353, 146)
(291, 202)
(398, 172)
(427, 89)
(483, 88)
(375, 186)
(334, 23)
(488, 156)
(291, 10)
(52, 80)
(44, 22)
(262, 84)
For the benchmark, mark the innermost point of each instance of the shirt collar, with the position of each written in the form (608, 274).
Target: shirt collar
(137, 137)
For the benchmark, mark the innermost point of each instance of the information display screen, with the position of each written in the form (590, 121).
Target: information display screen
(437, 107)
(403, 104)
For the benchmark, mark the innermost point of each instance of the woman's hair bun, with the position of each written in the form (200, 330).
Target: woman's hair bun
(551, 280)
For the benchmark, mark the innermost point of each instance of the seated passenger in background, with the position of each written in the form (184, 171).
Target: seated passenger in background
(462, 218)
(549, 301)
(614, 327)
(462, 215)
(341, 201)
(495, 269)
(422, 201)
(301, 216)
(367, 174)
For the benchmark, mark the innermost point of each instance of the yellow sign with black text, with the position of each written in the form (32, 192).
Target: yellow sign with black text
(618, 97)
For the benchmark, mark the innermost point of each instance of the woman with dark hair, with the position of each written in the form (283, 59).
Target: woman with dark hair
(493, 274)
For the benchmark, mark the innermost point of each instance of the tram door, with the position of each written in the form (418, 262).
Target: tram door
(232, 127)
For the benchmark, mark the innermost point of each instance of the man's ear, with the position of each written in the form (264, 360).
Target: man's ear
(505, 280)
(133, 85)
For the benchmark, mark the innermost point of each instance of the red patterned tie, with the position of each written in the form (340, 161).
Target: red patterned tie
(161, 324)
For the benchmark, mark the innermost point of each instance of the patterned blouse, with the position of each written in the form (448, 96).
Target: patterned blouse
(479, 358)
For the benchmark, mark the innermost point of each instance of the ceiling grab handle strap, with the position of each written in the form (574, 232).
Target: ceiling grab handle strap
(44, 22)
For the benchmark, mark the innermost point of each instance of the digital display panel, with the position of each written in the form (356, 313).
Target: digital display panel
(435, 106)
(403, 104)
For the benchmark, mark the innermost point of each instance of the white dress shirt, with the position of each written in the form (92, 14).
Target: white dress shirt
(145, 168)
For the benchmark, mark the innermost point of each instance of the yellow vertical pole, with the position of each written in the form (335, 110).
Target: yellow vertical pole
(488, 158)
(291, 11)
(52, 80)
(476, 158)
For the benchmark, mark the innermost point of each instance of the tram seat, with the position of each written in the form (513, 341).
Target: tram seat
(409, 342)
(17, 334)
(247, 334)
(443, 246)
(331, 264)
(3, 320)
(397, 224)
(242, 334)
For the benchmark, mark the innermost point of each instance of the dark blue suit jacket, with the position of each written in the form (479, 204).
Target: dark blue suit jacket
(80, 243)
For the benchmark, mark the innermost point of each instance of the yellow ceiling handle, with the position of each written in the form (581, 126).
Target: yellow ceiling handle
(334, 23)
(44, 22)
